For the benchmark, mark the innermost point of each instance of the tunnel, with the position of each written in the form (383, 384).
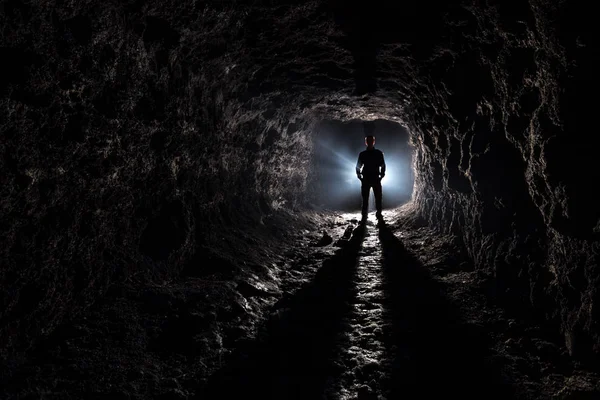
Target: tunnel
(176, 175)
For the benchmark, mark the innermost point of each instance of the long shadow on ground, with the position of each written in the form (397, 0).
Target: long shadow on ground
(433, 352)
(294, 356)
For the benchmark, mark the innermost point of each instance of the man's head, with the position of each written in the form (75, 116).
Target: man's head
(370, 140)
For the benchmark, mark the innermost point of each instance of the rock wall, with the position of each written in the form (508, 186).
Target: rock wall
(129, 135)
(504, 158)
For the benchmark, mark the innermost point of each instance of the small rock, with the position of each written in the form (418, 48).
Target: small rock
(325, 240)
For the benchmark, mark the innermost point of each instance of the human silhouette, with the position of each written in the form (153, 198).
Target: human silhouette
(370, 169)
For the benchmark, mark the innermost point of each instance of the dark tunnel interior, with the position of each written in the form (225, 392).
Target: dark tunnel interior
(178, 194)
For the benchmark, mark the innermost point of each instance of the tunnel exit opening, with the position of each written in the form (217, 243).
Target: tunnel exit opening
(336, 145)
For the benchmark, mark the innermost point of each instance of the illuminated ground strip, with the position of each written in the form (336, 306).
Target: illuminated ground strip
(363, 356)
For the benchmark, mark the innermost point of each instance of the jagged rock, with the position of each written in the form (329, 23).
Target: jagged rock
(325, 240)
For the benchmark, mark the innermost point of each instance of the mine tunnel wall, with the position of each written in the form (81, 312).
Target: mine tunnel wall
(128, 148)
(503, 161)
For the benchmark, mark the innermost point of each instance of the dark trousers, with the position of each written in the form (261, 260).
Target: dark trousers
(366, 190)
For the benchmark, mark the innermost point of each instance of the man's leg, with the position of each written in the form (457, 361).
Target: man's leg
(378, 197)
(365, 189)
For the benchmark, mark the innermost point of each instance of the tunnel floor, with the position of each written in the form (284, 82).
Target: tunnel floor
(368, 311)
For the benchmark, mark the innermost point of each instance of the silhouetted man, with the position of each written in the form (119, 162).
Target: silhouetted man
(373, 170)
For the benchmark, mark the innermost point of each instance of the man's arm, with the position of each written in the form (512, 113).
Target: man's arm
(382, 173)
(359, 164)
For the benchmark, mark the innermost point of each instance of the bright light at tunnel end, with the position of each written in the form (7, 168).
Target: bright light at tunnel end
(335, 160)
(390, 180)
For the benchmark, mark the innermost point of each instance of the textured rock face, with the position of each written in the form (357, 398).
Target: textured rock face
(504, 160)
(128, 134)
(132, 135)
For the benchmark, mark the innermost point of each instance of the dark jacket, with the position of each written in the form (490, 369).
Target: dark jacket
(370, 161)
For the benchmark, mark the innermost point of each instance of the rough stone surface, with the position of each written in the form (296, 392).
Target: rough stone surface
(135, 137)
(504, 162)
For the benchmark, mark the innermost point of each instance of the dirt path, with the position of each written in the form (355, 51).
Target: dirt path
(381, 321)
(372, 324)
